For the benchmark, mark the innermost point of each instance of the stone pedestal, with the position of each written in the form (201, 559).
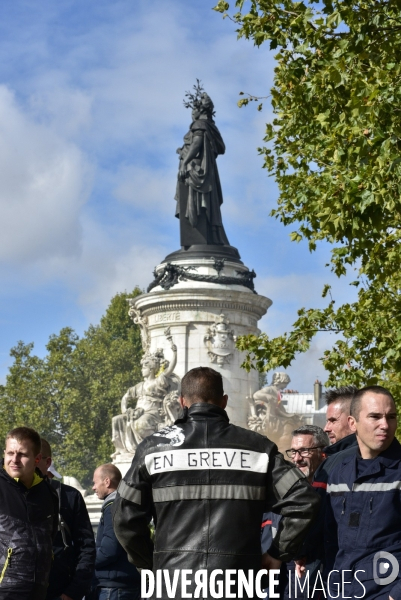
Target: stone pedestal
(123, 462)
(208, 304)
(94, 506)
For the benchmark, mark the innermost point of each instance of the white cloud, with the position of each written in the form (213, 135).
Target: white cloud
(139, 187)
(44, 183)
(65, 110)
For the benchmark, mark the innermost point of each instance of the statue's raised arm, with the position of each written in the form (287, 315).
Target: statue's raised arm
(171, 366)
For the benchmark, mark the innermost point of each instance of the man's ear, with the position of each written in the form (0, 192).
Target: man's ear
(352, 423)
(37, 458)
(225, 400)
(183, 402)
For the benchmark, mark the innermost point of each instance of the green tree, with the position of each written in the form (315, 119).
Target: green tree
(70, 395)
(334, 149)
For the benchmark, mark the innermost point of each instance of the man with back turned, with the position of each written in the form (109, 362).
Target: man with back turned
(206, 483)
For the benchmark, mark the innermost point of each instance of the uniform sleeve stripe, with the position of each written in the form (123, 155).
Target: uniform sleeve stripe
(319, 484)
(337, 487)
(208, 492)
(268, 522)
(376, 487)
(129, 493)
(287, 481)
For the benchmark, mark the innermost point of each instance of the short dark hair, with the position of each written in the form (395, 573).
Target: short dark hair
(112, 472)
(21, 434)
(343, 394)
(320, 437)
(355, 408)
(202, 384)
(45, 448)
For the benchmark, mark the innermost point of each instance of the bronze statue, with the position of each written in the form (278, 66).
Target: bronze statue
(199, 194)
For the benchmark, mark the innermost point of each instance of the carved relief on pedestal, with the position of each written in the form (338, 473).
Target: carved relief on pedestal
(138, 319)
(220, 341)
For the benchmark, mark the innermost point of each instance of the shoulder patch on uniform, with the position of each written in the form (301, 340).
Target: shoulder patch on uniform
(288, 480)
(173, 433)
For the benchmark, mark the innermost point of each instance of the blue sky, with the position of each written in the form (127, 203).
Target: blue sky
(91, 114)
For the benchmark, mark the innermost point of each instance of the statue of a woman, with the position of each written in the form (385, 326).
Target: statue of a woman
(142, 406)
(199, 194)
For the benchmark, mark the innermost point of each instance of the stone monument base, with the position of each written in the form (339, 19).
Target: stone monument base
(123, 462)
(204, 303)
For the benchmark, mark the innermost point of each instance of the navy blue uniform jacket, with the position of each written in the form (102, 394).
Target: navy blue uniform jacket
(364, 517)
(112, 568)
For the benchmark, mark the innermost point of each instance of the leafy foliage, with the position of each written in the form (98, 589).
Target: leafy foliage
(71, 394)
(334, 148)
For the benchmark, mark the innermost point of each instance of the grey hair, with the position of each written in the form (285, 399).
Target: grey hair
(320, 438)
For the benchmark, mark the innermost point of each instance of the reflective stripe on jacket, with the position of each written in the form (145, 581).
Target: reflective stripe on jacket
(363, 518)
(207, 483)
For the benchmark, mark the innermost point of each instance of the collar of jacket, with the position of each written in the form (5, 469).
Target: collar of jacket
(384, 459)
(110, 498)
(37, 477)
(343, 444)
(202, 410)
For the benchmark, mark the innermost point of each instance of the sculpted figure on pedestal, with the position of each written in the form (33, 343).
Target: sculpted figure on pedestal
(269, 417)
(150, 404)
(199, 194)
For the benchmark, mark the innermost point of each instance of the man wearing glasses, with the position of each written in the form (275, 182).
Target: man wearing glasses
(306, 453)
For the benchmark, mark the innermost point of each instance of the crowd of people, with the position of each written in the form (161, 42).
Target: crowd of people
(325, 518)
(46, 537)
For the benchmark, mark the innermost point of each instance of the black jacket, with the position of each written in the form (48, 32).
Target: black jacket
(314, 548)
(206, 483)
(28, 524)
(73, 566)
(112, 566)
(343, 444)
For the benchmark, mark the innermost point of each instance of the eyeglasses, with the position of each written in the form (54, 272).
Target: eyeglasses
(304, 452)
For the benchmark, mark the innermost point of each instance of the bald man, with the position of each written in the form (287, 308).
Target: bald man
(116, 578)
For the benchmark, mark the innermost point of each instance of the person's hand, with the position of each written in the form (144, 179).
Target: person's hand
(268, 562)
(390, 598)
(300, 566)
(65, 597)
(136, 413)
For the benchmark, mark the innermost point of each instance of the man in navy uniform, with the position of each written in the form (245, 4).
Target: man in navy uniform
(363, 519)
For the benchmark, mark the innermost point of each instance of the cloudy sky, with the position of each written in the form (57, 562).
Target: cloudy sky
(91, 114)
